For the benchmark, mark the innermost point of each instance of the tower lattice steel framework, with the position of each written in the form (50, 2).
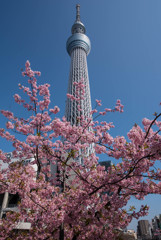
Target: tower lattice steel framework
(78, 47)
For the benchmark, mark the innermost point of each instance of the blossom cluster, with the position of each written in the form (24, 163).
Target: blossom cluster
(64, 198)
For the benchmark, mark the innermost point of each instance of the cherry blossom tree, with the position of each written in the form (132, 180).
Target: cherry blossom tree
(74, 201)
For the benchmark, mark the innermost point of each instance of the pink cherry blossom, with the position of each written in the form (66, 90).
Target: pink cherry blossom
(55, 110)
(79, 201)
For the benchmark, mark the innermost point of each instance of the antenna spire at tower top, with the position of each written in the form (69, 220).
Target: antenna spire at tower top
(78, 26)
(78, 12)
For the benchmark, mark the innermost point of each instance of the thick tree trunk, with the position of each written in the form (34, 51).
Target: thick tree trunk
(74, 238)
(61, 235)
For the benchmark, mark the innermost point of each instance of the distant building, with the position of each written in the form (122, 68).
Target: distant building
(156, 227)
(9, 202)
(127, 235)
(144, 230)
(106, 164)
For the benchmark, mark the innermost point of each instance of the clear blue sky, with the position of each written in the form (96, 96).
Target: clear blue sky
(124, 63)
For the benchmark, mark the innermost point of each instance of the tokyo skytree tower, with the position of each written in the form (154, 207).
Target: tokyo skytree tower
(78, 47)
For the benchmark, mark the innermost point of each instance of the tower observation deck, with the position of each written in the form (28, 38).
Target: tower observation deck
(78, 47)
